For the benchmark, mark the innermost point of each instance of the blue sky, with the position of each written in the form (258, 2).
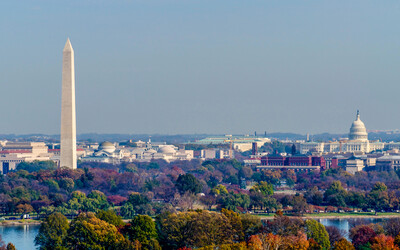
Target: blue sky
(201, 66)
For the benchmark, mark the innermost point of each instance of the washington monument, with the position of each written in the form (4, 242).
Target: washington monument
(68, 117)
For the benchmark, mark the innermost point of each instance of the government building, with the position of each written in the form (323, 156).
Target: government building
(356, 143)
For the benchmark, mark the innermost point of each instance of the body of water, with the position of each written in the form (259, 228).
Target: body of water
(23, 236)
(347, 224)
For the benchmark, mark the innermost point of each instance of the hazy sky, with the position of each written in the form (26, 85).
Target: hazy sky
(204, 66)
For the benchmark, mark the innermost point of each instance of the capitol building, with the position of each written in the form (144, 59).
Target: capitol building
(357, 142)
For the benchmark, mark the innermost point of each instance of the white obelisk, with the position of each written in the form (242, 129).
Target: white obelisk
(68, 117)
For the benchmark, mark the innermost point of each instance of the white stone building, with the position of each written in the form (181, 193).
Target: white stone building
(358, 142)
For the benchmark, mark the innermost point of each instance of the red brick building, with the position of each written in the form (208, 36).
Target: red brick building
(293, 162)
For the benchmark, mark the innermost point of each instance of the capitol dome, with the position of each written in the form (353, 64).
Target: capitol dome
(167, 150)
(107, 146)
(151, 151)
(358, 130)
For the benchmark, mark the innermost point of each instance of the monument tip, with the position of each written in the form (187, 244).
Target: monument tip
(68, 46)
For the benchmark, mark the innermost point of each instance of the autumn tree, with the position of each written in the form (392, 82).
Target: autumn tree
(255, 243)
(10, 246)
(383, 242)
(52, 232)
(299, 204)
(343, 244)
(193, 229)
(361, 235)
(3, 246)
(272, 241)
(236, 223)
(397, 240)
(271, 176)
(88, 232)
(335, 234)
(392, 227)
(251, 224)
(283, 225)
(297, 242)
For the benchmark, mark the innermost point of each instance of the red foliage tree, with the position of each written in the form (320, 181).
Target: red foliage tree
(361, 235)
(116, 200)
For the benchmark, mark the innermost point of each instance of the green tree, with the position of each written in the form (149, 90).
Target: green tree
(335, 194)
(143, 229)
(356, 199)
(67, 183)
(52, 232)
(52, 184)
(219, 190)
(110, 217)
(263, 187)
(99, 199)
(379, 187)
(77, 202)
(128, 211)
(314, 196)
(35, 166)
(378, 198)
(187, 182)
(234, 201)
(137, 199)
(317, 231)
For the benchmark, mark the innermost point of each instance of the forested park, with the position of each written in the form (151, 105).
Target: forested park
(191, 205)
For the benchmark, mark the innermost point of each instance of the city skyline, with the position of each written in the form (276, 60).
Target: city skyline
(235, 69)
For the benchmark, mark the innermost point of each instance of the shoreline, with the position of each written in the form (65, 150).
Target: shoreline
(352, 216)
(19, 223)
(319, 217)
(270, 217)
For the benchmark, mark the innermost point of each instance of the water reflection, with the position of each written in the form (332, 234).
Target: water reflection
(346, 224)
(22, 236)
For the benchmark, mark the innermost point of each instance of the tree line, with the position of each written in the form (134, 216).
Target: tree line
(207, 230)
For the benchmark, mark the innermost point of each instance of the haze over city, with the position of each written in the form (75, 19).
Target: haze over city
(201, 66)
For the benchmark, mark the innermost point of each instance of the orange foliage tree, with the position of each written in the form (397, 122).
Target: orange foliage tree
(255, 243)
(383, 242)
(271, 241)
(343, 244)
